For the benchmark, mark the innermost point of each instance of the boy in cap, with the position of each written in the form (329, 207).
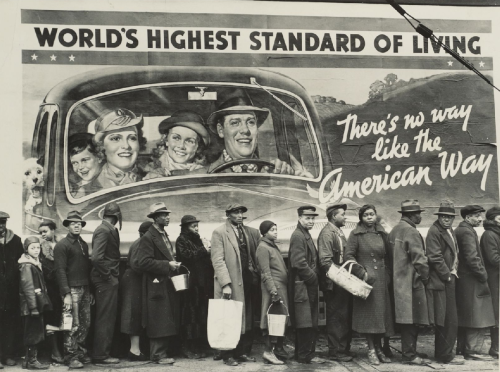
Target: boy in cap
(72, 262)
(303, 282)
(331, 246)
(474, 306)
(11, 249)
(442, 253)
(104, 275)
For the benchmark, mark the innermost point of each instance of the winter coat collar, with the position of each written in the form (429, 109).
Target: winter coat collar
(269, 242)
(409, 222)
(27, 259)
(491, 226)
(9, 234)
(304, 231)
(361, 229)
(467, 225)
(159, 242)
(111, 228)
(446, 236)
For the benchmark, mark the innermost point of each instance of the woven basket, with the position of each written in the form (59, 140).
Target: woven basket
(344, 278)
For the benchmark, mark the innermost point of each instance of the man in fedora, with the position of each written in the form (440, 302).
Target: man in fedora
(236, 277)
(442, 254)
(237, 122)
(11, 249)
(474, 306)
(410, 275)
(303, 284)
(104, 276)
(160, 302)
(72, 262)
(331, 246)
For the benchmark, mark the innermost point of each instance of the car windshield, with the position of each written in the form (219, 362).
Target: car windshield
(148, 134)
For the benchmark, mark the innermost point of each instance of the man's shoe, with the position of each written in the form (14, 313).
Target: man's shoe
(388, 352)
(477, 357)
(108, 360)
(190, 354)
(417, 361)
(230, 362)
(75, 364)
(245, 358)
(493, 353)
(372, 358)
(137, 358)
(85, 359)
(318, 360)
(217, 355)
(340, 357)
(455, 362)
(165, 361)
(36, 365)
(57, 359)
(10, 362)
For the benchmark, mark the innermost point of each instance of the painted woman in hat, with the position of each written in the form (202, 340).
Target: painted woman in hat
(118, 140)
(193, 253)
(185, 139)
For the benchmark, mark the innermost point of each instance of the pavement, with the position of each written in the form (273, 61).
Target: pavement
(359, 364)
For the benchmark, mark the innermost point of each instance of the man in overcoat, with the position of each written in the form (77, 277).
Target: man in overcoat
(442, 254)
(410, 275)
(474, 306)
(104, 276)
(236, 276)
(303, 284)
(11, 249)
(160, 302)
(331, 246)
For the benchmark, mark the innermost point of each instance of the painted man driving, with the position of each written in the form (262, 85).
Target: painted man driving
(237, 122)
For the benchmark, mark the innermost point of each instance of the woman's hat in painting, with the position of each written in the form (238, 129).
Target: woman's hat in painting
(188, 119)
(115, 121)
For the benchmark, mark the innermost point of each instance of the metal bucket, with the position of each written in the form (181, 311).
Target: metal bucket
(181, 281)
(276, 323)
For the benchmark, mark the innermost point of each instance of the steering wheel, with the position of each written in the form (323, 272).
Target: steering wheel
(259, 163)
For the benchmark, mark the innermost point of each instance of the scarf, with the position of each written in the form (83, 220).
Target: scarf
(48, 249)
(170, 164)
(111, 176)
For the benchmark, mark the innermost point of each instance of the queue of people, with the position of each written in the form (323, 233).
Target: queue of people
(449, 281)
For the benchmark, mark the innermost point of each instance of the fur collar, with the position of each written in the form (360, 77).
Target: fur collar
(27, 259)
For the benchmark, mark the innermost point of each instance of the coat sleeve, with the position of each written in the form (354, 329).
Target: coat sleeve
(434, 252)
(219, 260)
(489, 245)
(298, 260)
(99, 243)
(27, 287)
(351, 253)
(61, 263)
(265, 269)
(146, 261)
(467, 247)
(134, 256)
(189, 251)
(415, 246)
(328, 243)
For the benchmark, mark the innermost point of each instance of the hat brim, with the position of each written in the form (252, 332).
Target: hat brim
(445, 213)
(243, 209)
(187, 223)
(260, 113)
(309, 214)
(132, 123)
(66, 222)
(164, 127)
(150, 215)
(415, 210)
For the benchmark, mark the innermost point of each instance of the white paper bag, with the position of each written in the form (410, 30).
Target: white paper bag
(224, 323)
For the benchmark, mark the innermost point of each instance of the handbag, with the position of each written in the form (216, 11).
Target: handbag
(348, 281)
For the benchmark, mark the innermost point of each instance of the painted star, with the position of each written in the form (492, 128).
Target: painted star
(450, 63)
(34, 57)
(481, 64)
(72, 58)
(53, 57)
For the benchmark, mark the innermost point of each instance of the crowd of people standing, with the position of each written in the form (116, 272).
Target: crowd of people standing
(449, 281)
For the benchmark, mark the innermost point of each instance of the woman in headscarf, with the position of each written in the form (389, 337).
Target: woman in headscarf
(194, 253)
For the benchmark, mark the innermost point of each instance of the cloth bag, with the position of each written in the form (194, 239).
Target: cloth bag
(224, 323)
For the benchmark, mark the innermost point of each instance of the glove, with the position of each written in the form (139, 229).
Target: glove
(275, 297)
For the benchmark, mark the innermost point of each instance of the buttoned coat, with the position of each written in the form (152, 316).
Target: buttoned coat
(331, 247)
(490, 249)
(474, 306)
(441, 251)
(303, 276)
(105, 252)
(226, 261)
(160, 302)
(410, 272)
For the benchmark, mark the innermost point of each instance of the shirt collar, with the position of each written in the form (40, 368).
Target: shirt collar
(72, 239)
(160, 230)
(336, 229)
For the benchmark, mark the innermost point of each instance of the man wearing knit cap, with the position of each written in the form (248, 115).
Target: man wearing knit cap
(236, 276)
(104, 275)
(490, 248)
(442, 253)
(474, 306)
(11, 249)
(303, 284)
(331, 245)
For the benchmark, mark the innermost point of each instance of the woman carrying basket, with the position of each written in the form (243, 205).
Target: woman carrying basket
(274, 279)
(368, 245)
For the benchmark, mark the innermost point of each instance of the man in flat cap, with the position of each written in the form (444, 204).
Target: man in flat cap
(237, 122)
(160, 301)
(442, 254)
(303, 284)
(410, 275)
(331, 245)
(474, 306)
(236, 276)
(104, 276)
(11, 249)
(72, 262)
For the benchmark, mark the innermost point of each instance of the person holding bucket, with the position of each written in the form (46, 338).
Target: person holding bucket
(160, 301)
(274, 278)
(194, 301)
